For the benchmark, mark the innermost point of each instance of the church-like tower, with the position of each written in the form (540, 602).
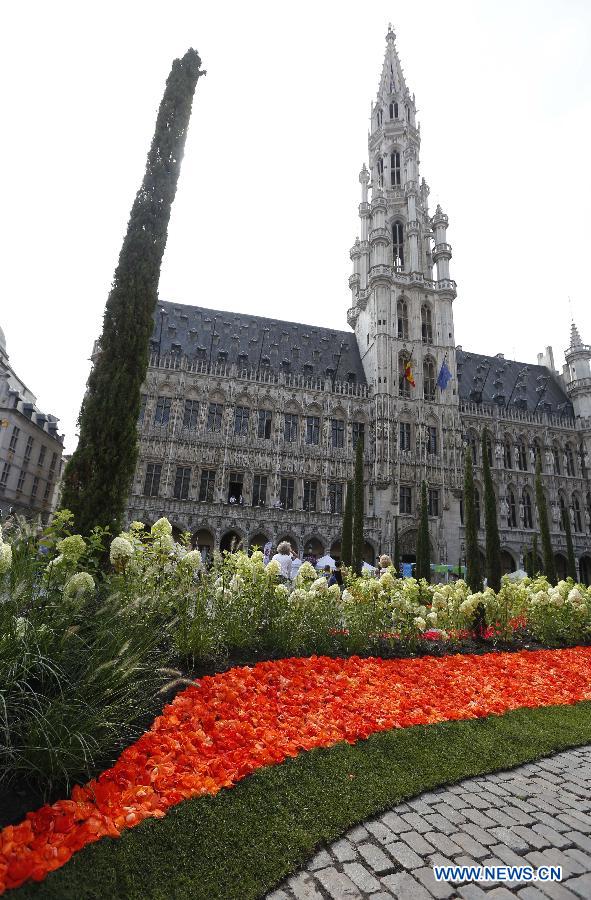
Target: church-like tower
(401, 310)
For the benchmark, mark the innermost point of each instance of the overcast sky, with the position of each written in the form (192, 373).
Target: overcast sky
(266, 209)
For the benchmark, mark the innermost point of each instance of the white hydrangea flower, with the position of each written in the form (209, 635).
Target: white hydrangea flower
(432, 617)
(137, 526)
(282, 591)
(387, 581)
(237, 582)
(161, 527)
(320, 584)
(191, 560)
(420, 623)
(72, 547)
(78, 584)
(273, 568)
(307, 572)
(5, 557)
(347, 595)
(121, 551)
(334, 590)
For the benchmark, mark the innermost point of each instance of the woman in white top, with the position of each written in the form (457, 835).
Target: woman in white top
(284, 557)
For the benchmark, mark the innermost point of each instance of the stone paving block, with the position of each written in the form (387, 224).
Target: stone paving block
(471, 845)
(479, 834)
(495, 789)
(404, 887)
(480, 818)
(380, 831)
(475, 800)
(522, 804)
(470, 892)
(556, 891)
(518, 815)
(382, 895)
(417, 842)
(303, 887)
(375, 857)
(403, 854)
(394, 822)
(581, 840)
(419, 806)
(511, 838)
(344, 850)
(415, 822)
(443, 842)
(583, 858)
(320, 861)
(278, 895)
(533, 838)
(530, 893)
(556, 839)
(500, 893)
(509, 857)
(501, 817)
(361, 876)
(551, 808)
(552, 821)
(552, 857)
(580, 886)
(438, 889)
(448, 812)
(436, 822)
(337, 885)
(451, 799)
(581, 817)
(358, 834)
(573, 822)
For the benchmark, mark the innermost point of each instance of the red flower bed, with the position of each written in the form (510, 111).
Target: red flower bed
(225, 727)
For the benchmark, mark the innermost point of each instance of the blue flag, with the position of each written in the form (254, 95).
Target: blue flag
(444, 376)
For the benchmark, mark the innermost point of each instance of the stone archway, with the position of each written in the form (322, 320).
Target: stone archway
(203, 541)
(290, 540)
(313, 546)
(561, 566)
(258, 540)
(231, 541)
(508, 563)
(408, 545)
(369, 553)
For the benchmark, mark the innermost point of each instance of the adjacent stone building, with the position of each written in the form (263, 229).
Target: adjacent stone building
(30, 448)
(249, 425)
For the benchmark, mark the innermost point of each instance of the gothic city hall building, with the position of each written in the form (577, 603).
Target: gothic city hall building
(249, 425)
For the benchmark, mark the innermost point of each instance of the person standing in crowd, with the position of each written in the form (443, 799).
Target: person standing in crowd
(337, 578)
(295, 567)
(284, 557)
(327, 573)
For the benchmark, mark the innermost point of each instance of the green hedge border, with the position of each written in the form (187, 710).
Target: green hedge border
(243, 842)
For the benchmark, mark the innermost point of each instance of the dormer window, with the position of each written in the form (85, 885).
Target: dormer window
(308, 369)
(243, 360)
(222, 356)
(395, 169)
(351, 378)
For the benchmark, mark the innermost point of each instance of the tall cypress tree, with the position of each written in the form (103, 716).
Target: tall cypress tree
(493, 541)
(358, 512)
(98, 476)
(571, 565)
(347, 532)
(473, 567)
(547, 555)
(535, 566)
(396, 548)
(423, 569)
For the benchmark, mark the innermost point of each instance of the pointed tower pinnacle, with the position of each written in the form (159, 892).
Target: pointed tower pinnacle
(575, 337)
(392, 79)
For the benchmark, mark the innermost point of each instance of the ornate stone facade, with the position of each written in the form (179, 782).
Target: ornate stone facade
(249, 425)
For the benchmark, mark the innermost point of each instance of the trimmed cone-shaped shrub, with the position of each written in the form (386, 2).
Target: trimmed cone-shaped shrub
(423, 567)
(493, 541)
(547, 554)
(347, 532)
(535, 555)
(98, 477)
(571, 565)
(358, 511)
(474, 569)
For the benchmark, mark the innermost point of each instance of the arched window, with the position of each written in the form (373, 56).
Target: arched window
(398, 244)
(426, 324)
(563, 512)
(521, 455)
(394, 110)
(577, 514)
(380, 171)
(507, 454)
(403, 384)
(528, 521)
(477, 506)
(429, 379)
(512, 512)
(402, 319)
(556, 458)
(570, 461)
(395, 168)
(408, 113)
(380, 116)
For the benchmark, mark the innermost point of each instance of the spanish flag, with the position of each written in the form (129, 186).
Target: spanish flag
(408, 373)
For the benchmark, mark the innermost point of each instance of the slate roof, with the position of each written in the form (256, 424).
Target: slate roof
(290, 347)
(496, 379)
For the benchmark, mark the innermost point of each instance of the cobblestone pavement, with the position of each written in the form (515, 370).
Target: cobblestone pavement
(538, 814)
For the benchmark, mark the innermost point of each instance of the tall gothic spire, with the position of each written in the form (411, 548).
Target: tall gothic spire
(392, 78)
(575, 337)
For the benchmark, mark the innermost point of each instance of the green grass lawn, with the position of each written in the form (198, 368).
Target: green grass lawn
(243, 842)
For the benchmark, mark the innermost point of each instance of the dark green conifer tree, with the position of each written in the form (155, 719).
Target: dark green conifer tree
(571, 565)
(473, 566)
(535, 555)
(98, 477)
(358, 511)
(347, 532)
(493, 541)
(396, 548)
(547, 554)
(423, 567)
